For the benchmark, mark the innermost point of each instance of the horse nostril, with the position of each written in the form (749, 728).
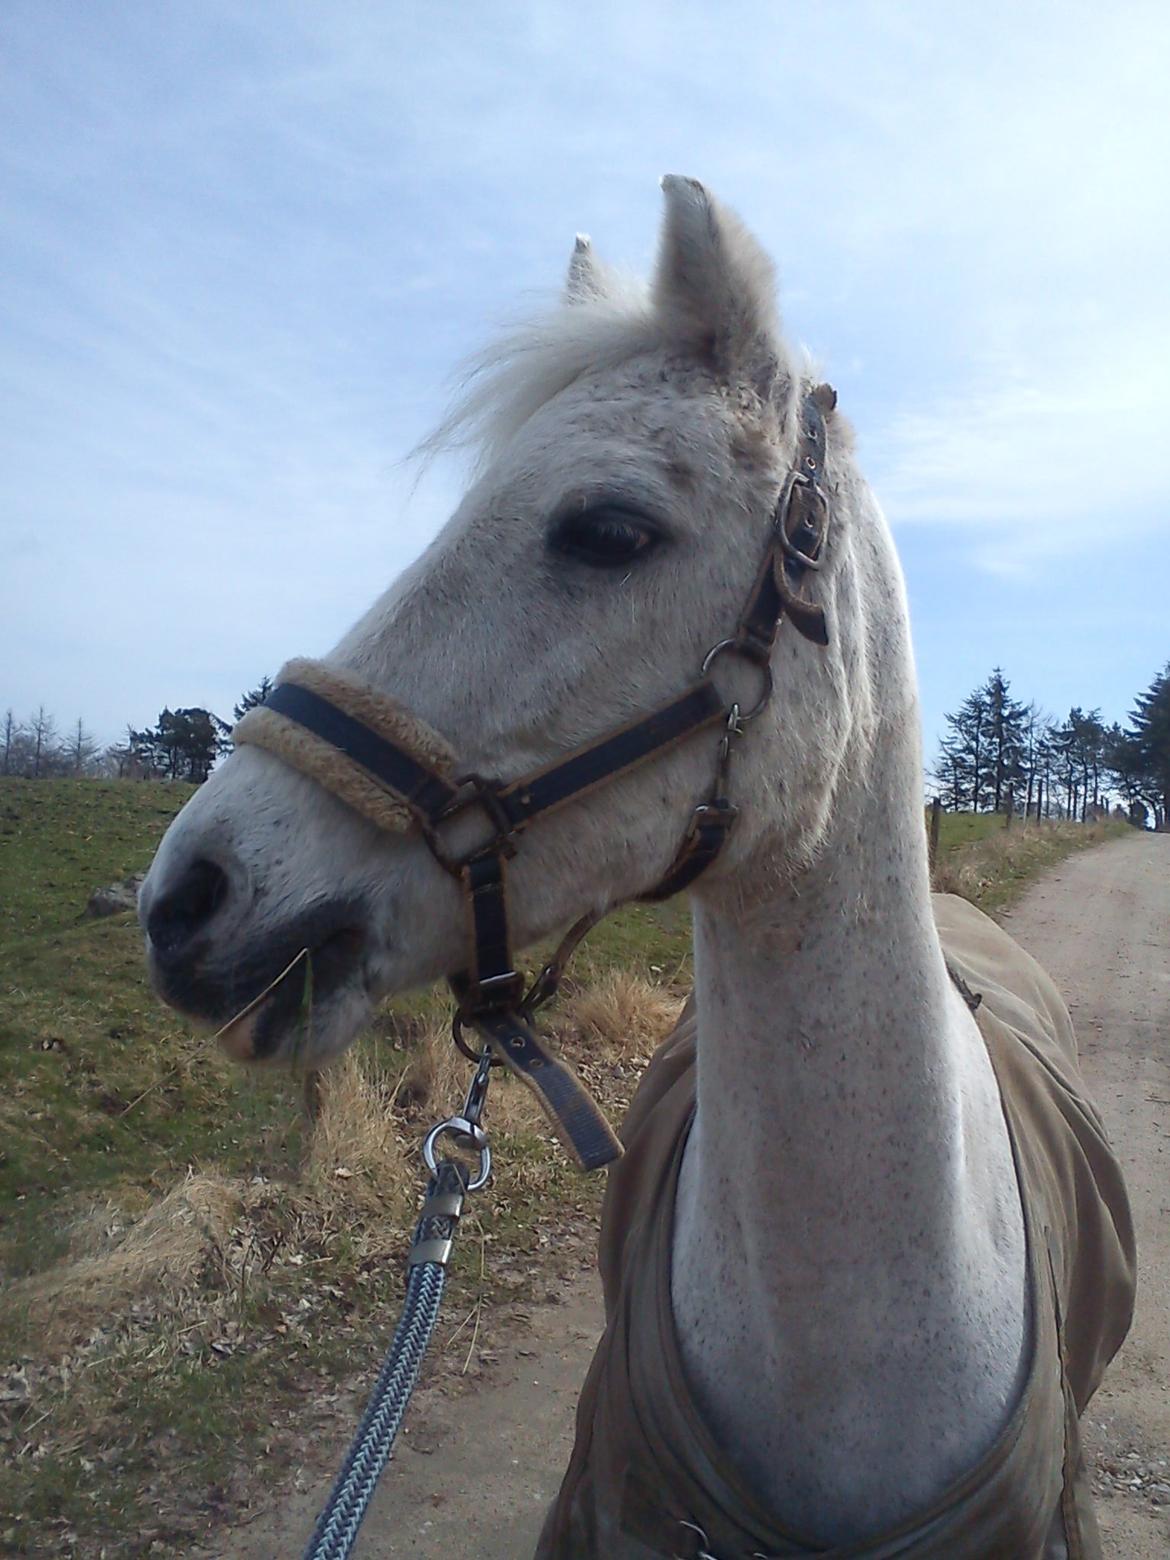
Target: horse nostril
(183, 910)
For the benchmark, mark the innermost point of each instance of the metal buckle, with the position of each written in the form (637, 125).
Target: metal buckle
(474, 790)
(720, 812)
(809, 484)
(497, 991)
(495, 994)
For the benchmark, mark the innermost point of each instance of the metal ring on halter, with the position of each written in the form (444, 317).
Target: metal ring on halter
(457, 1026)
(471, 1135)
(762, 666)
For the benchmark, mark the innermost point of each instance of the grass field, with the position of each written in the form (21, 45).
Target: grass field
(188, 1271)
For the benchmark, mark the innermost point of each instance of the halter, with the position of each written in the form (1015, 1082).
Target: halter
(391, 767)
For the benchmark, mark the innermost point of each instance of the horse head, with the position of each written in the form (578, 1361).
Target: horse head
(633, 446)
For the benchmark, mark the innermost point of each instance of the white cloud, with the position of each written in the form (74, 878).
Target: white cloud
(1065, 456)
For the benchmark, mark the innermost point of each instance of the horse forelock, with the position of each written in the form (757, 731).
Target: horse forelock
(503, 385)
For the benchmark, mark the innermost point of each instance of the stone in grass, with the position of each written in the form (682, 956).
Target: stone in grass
(115, 898)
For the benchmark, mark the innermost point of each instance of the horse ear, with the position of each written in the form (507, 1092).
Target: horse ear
(715, 286)
(586, 278)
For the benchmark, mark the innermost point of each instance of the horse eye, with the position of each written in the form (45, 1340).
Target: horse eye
(605, 536)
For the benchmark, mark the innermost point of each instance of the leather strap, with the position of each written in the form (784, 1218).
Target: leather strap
(491, 981)
(711, 823)
(798, 536)
(648, 736)
(422, 788)
(575, 1116)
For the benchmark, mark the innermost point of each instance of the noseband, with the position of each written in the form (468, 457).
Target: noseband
(388, 765)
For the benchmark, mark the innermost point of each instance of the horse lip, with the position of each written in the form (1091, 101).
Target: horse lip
(310, 978)
(233, 986)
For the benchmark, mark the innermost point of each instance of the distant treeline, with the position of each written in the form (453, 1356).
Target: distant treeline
(999, 754)
(183, 744)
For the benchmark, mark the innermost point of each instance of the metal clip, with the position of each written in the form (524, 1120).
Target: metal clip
(477, 1093)
(734, 728)
(467, 1130)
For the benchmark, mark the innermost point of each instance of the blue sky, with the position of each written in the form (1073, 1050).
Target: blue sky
(244, 246)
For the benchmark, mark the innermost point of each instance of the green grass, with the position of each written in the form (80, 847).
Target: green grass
(143, 1421)
(101, 1090)
(958, 830)
(60, 839)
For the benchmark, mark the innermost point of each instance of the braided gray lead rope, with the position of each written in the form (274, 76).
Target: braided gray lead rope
(337, 1526)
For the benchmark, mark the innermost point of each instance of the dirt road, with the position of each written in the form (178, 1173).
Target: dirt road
(1100, 923)
(475, 1471)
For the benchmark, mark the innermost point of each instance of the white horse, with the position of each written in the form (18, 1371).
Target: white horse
(856, 1293)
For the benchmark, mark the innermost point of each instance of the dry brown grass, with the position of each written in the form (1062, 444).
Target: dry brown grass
(359, 1177)
(114, 1257)
(621, 1014)
(213, 1236)
(357, 1149)
(994, 870)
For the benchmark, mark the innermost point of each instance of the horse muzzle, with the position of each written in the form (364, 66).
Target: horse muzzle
(303, 988)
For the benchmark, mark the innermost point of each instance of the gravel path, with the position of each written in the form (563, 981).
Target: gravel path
(1100, 924)
(476, 1470)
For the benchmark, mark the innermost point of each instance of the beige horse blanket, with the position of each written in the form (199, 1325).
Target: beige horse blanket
(647, 1480)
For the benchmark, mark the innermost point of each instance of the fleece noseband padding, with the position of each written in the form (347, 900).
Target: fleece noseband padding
(338, 765)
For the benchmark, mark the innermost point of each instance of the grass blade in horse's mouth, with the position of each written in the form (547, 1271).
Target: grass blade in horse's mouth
(225, 1032)
(286, 1004)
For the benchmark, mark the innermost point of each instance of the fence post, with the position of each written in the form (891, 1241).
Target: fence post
(935, 824)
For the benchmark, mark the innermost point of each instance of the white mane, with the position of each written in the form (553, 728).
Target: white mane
(503, 385)
(712, 294)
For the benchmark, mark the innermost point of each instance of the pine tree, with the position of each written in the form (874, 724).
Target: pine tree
(256, 696)
(1149, 744)
(982, 754)
(964, 754)
(1005, 719)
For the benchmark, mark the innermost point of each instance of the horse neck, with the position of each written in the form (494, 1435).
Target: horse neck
(848, 1175)
(831, 1040)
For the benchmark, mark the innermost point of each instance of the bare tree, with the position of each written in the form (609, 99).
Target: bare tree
(42, 730)
(81, 748)
(11, 740)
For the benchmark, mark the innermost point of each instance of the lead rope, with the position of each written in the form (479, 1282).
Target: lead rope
(426, 1277)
